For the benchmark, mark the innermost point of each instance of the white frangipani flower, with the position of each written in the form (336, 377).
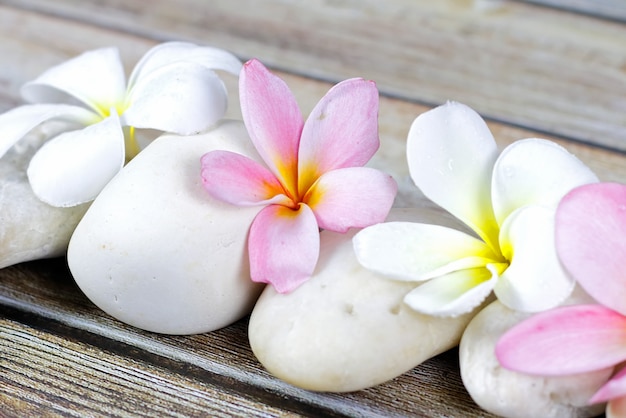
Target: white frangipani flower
(173, 88)
(508, 200)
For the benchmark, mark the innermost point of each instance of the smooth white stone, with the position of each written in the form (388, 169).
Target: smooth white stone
(157, 252)
(31, 229)
(511, 394)
(347, 328)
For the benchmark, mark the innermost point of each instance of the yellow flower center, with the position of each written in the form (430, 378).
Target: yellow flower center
(130, 140)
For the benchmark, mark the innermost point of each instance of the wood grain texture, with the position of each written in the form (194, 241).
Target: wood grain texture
(607, 9)
(27, 53)
(515, 62)
(57, 375)
(534, 71)
(43, 293)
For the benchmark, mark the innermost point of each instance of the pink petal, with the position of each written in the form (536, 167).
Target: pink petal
(351, 197)
(284, 246)
(341, 131)
(614, 388)
(566, 340)
(238, 180)
(590, 231)
(273, 120)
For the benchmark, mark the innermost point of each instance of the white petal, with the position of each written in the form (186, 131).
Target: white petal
(535, 172)
(413, 251)
(534, 280)
(17, 122)
(178, 52)
(451, 153)
(182, 98)
(75, 166)
(95, 78)
(454, 294)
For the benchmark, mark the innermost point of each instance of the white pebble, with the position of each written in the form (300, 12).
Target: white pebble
(511, 394)
(346, 328)
(157, 252)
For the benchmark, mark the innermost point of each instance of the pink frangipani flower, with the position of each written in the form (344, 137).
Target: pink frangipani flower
(312, 178)
(591, 243)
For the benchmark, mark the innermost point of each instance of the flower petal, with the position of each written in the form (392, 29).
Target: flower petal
(415, 251)
(341, 131)
(96, 78)
(454, 294)
(590, 231)
(613, 389)
(178, 52)
(535, 280)
(565, 340)
(75, 166)
(183, 98)
(284, 246)
(273, 120)
(535, 172)
(451, 153)
(239, 180)
(351, 198)
(17, 122)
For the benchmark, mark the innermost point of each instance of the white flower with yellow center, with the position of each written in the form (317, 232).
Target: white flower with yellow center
(507, 200)
(173, 88)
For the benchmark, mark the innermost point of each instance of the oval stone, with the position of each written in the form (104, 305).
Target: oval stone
(30, 228)
(157, 252)
(511, 394)
(347, 328)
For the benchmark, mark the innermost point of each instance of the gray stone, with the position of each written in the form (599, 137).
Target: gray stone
(29, 228)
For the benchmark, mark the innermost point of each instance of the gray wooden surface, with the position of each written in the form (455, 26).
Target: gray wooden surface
(549, 68)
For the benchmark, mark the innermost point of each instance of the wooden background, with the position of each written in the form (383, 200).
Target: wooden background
(549, 68)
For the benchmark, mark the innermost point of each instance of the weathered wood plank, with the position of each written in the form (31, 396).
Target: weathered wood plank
(26, 54)
(43, 293)
(516, 62)
(55, 375)
(608, 9)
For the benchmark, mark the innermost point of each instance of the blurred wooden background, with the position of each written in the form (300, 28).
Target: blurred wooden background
(543, 68)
